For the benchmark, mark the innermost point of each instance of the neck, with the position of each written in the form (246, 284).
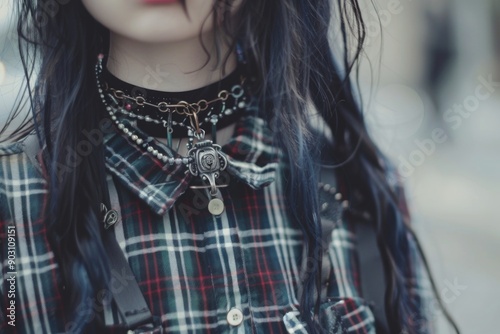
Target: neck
(171, 67)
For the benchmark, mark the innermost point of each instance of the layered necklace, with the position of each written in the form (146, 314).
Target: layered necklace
(169, 117)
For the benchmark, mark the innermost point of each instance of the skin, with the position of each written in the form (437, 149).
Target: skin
(158, 46)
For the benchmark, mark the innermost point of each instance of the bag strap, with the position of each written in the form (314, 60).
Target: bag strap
(371, 268)
(371, 272)
(128, 298)
(131, 304)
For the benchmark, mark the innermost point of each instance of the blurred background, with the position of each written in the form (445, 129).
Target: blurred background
(430, 79)
(431, 87)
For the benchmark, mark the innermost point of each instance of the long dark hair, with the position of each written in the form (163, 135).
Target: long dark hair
(288, 42)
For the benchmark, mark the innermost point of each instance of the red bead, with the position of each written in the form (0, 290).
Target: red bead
(128, 106)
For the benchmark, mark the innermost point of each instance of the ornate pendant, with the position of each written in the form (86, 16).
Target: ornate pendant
(207, 163)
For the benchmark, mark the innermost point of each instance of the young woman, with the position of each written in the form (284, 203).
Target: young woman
(199, 166)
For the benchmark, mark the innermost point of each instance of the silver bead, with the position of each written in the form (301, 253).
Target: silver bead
(338, 196)
(241, 104)
(178, 161)
(327, 187)
(126, 130)
(165, 159)
(121, 126)
(155, 152)
(139, 141)
(228, 112)
(134, 137)
(150, 149)
(185, 161)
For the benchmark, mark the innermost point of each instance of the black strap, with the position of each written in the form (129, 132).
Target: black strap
(371, 268)
(371, 272)
(129, 299)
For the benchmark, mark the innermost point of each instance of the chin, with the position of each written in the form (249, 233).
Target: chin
(157, 21)
(155, 36)
(166, 33)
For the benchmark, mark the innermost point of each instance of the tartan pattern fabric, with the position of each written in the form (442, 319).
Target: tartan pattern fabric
(192, 267)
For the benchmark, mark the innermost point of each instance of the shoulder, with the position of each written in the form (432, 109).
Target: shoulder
(22, 180)
(8, 149)
(21, 154)
(12, 158)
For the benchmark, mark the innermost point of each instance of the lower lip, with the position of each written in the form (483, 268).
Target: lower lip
(159, 2)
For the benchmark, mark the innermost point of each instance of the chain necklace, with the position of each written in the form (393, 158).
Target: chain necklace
(204, 158)
(168, 115)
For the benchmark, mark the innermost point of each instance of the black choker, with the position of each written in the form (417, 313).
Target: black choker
(219, 105)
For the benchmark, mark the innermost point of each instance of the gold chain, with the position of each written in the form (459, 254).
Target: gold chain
(182, 107)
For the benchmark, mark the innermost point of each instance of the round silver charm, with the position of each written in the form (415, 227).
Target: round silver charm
(216, 206)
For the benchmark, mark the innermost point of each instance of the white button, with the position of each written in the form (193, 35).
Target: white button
(216, 207)
(234, 317)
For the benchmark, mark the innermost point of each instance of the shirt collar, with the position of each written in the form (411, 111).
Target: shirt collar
(252, 159)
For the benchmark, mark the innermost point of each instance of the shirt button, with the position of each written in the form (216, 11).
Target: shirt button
(234, 317)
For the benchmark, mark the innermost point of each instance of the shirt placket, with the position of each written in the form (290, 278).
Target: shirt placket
(225, 265)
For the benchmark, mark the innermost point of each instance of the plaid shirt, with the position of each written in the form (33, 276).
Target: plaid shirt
(193, 269)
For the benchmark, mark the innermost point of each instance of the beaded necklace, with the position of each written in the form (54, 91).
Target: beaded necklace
(204, 158)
